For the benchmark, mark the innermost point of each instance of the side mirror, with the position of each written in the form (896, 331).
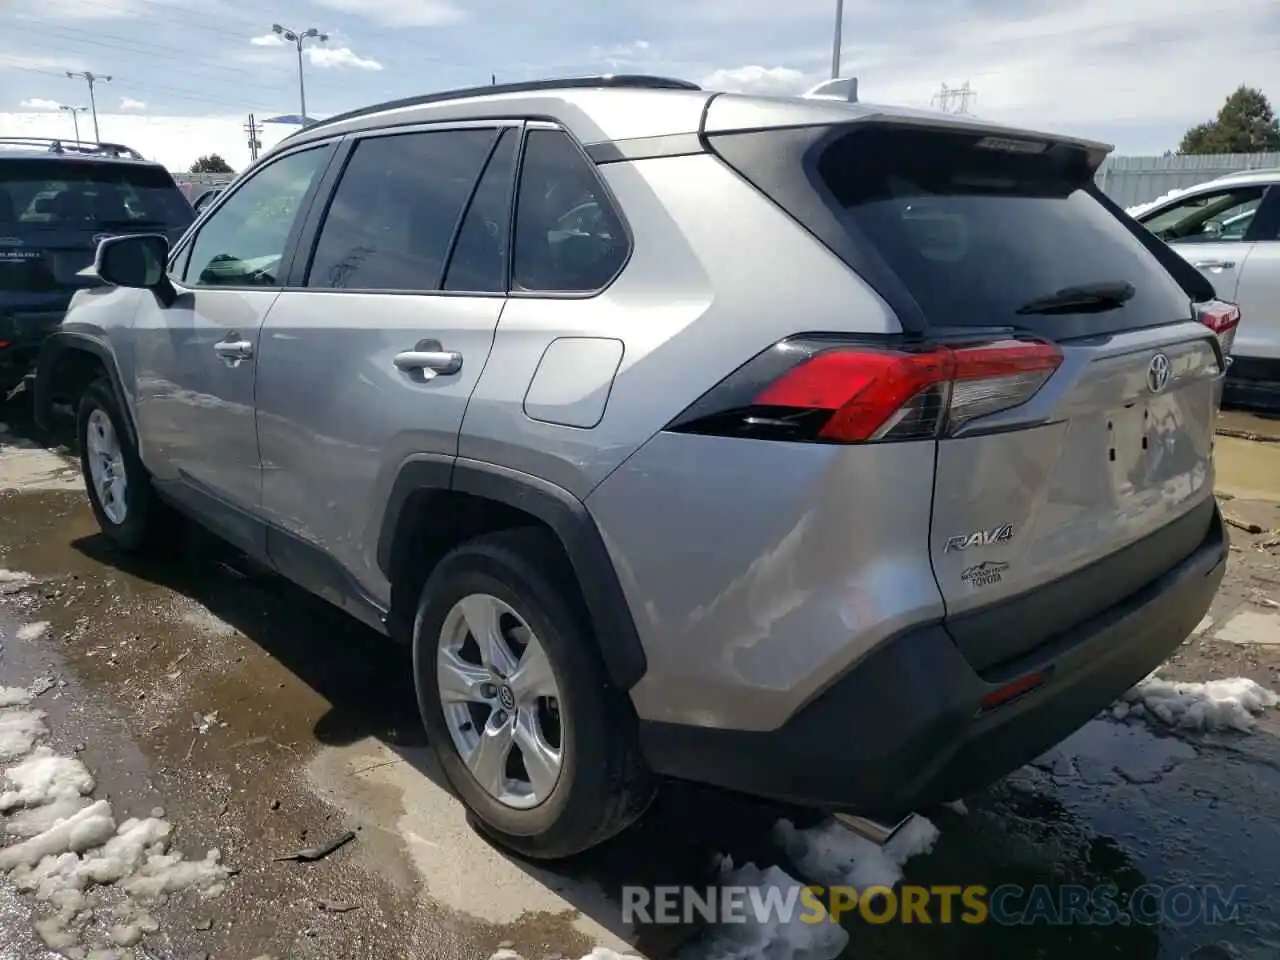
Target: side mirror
(136, 261)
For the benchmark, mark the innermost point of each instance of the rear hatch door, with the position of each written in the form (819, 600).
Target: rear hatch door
(1048, 512)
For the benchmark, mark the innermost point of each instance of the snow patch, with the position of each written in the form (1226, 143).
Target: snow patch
(14, 697)
(31, 632)
(1141, 208)
(70, 848)
(19, 730)
(1215, 705)
(833, 855)
(599, 953)
(776, 935)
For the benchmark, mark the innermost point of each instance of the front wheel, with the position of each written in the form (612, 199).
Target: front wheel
(119, 488)
(528, 731)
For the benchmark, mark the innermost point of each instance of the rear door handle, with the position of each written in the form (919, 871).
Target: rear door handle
(428, 359)
(1213, 264)
(232, 352)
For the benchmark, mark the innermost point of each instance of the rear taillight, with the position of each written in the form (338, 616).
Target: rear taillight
(818, 390)
(1223, 319)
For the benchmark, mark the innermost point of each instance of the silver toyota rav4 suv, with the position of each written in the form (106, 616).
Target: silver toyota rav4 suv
(841, 455)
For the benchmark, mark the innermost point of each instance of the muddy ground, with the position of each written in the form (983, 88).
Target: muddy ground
(264, 721)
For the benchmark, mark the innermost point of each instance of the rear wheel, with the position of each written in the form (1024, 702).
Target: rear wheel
(530, 734)
(119, 488)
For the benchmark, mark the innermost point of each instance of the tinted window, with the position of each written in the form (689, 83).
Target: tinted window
(90, 195)
(969, 228)
(243, 241)
(479, 258)
(1207, 217)
(568, 236)
(395, 210)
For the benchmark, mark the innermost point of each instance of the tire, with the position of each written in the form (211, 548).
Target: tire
(144, 519)
(603, 784)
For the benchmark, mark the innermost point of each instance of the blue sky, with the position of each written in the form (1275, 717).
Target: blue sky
(1132, 72)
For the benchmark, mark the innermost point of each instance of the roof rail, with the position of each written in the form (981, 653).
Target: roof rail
(86, 147)
(631, 81)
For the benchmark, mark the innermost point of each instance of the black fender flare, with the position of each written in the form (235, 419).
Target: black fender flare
(566, 516)
(54, 348)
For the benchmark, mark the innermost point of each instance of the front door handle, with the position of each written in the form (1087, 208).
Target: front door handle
(428, 360)
(231, 352)
(1213, 264)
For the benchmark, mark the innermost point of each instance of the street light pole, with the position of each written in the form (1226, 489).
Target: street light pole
(91, 79)
(75, 117)
(838, 41)
(298, 38)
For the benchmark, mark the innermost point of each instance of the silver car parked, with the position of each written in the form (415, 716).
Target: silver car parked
(837, 454)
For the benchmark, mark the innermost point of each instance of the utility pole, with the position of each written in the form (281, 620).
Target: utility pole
(955, 99)
(75, 117)
(252, 129)
(838, 41)
(298, 38)
(91, 79)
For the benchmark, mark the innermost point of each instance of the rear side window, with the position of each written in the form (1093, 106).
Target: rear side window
(90, 195)
(569, 238)
(972, 230)
(396, 208)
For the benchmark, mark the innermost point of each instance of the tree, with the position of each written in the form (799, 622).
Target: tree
(1245, 124)
(211, 163)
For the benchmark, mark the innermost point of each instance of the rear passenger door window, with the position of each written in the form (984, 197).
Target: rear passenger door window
(395, 210)
(568, 236)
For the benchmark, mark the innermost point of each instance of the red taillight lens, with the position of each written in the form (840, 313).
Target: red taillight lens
(891, 394)
(1223, 319)
(5, 344)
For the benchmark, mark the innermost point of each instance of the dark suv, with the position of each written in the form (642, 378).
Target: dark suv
(57, 200)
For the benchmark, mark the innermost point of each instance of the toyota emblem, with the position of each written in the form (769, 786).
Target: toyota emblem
(1158, 373)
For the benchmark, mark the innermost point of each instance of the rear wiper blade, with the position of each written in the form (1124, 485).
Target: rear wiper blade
(1088, 297)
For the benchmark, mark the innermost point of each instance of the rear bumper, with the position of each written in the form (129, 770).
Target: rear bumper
(24, 330)
(905, 728)
(1254, 383)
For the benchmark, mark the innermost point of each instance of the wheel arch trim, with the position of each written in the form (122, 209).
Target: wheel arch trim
(563, 513)
(58, 345)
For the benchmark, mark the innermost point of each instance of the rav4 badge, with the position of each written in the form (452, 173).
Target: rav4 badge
(1001, 533)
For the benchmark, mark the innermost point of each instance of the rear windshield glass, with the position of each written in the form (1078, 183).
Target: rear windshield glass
(89, 195)
(974, 233)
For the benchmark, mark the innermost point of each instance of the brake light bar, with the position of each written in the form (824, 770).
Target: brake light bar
(818, 390)
(1222, 318)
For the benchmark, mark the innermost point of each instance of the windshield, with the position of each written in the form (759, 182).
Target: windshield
(90, 195)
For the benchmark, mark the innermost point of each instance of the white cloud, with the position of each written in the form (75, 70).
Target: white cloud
(339, 58)
(401, 13)
(267, 40)
(128, 103)
(623, 51)
(771, 81)
(39, 103)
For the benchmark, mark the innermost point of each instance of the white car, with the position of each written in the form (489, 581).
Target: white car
(1229, 229)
